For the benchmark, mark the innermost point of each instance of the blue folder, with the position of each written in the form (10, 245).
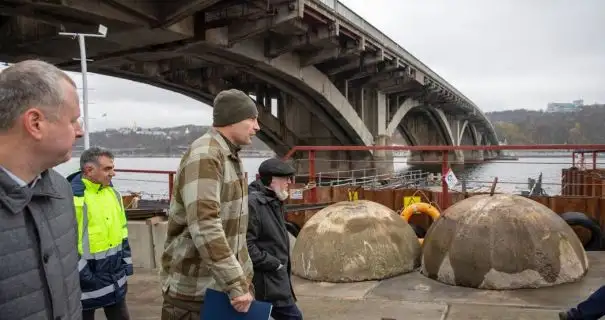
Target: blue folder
(217, 306)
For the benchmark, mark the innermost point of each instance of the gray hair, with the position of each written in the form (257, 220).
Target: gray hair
(91, 155)
(30, 83)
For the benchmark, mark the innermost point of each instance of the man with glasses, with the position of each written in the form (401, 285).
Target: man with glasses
(268, 240)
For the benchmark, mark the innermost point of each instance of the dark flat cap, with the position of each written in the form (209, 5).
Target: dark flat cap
(275, 168)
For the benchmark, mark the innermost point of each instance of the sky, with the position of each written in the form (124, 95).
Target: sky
(501, 54)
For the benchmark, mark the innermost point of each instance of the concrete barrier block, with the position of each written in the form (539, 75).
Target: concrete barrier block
(158, 232)
(141, 244)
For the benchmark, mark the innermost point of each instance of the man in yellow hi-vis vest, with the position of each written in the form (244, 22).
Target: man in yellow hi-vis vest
(105, 260)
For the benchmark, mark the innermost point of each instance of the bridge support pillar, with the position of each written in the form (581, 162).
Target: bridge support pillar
(383, 159)
(330, 165)
(434, 157)
(325, 166)
(427, 132)
(473, 156)
(377, 121)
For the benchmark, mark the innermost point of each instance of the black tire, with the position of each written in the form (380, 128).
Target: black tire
(420, 232)
(580, 219)
(292, 228)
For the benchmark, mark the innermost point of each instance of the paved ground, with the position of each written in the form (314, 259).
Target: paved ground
(410, 296)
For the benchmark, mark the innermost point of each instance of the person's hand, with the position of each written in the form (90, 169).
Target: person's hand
(279, 267)
(242, 303)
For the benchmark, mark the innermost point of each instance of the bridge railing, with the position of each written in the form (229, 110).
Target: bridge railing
(355, 19)
(563, 178)
(148, 184)
(371, 177)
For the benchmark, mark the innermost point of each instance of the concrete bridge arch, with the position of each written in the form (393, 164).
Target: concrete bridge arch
(439, 129)
(328, 69)
(273, 132)
(305, 87)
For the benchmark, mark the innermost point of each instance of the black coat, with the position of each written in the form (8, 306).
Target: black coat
(269, 246)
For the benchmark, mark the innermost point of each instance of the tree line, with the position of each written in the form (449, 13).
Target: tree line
(167, 141)
(520, 126)
(584, 126)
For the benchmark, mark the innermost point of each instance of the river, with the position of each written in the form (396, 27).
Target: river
(512, 175)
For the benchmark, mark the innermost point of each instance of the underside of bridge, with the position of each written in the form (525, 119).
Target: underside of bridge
(333, 82)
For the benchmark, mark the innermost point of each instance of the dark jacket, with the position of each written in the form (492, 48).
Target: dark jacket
(269, 246)
(103, 275)
(39, 258)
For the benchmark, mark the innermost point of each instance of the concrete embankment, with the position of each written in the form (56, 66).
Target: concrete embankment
(146, 239)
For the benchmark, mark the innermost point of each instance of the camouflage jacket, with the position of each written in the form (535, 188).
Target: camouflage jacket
(207, 222)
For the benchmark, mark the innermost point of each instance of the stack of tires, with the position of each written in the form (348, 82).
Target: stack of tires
(579, 219)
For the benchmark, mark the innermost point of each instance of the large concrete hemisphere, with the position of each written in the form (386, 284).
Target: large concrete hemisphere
(502, 242)
(355, 241)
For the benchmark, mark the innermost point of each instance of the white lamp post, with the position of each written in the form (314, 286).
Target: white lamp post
(81, 37)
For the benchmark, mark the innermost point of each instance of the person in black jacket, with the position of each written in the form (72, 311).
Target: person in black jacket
(268, 241)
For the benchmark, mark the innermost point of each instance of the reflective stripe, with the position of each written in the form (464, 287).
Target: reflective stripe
(112, 239)
(81, 264)
(85, 240)
(128, 260)
(103, 291)
(119, 198)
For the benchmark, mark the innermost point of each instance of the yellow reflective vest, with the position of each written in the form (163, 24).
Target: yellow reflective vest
(105, 258)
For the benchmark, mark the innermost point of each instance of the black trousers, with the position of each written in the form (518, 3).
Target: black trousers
(591, 308)
(286, 313)
(118, 311)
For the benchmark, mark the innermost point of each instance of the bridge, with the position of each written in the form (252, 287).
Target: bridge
(332, 78)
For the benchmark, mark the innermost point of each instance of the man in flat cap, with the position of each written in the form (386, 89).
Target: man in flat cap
(268, 241)
(206, 239)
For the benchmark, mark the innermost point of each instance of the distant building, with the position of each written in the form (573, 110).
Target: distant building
(125, 130)
(565, 107)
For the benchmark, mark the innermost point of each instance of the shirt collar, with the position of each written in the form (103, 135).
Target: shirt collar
(232, 146)
(20, 181)
(91, 185)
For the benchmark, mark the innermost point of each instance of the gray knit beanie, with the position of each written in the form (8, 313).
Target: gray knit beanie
(232, 106)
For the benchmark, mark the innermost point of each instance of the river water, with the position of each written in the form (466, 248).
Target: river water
(512, 175)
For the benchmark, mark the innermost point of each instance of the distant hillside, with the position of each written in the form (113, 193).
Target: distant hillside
(163, 140)
(155, 140)
(537, 127)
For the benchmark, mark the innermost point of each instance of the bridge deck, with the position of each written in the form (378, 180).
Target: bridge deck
(409, 296)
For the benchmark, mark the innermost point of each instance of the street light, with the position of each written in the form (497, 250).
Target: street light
(102, 32)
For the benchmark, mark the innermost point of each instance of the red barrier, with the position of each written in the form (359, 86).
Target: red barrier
(166, 172)
(580, 149)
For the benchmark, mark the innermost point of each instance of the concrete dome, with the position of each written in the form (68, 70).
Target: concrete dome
(355, 241)
(502, 242)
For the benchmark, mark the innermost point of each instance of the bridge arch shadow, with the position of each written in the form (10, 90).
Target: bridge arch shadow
(223, 73)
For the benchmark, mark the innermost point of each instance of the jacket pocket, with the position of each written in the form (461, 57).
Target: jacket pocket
(276, 285)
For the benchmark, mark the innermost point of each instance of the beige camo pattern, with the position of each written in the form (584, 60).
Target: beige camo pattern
(208, 218)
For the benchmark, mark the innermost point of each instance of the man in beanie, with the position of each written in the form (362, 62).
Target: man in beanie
(268, 241)
(206, 239)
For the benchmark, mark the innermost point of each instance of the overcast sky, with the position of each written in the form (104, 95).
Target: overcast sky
(501, 54)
